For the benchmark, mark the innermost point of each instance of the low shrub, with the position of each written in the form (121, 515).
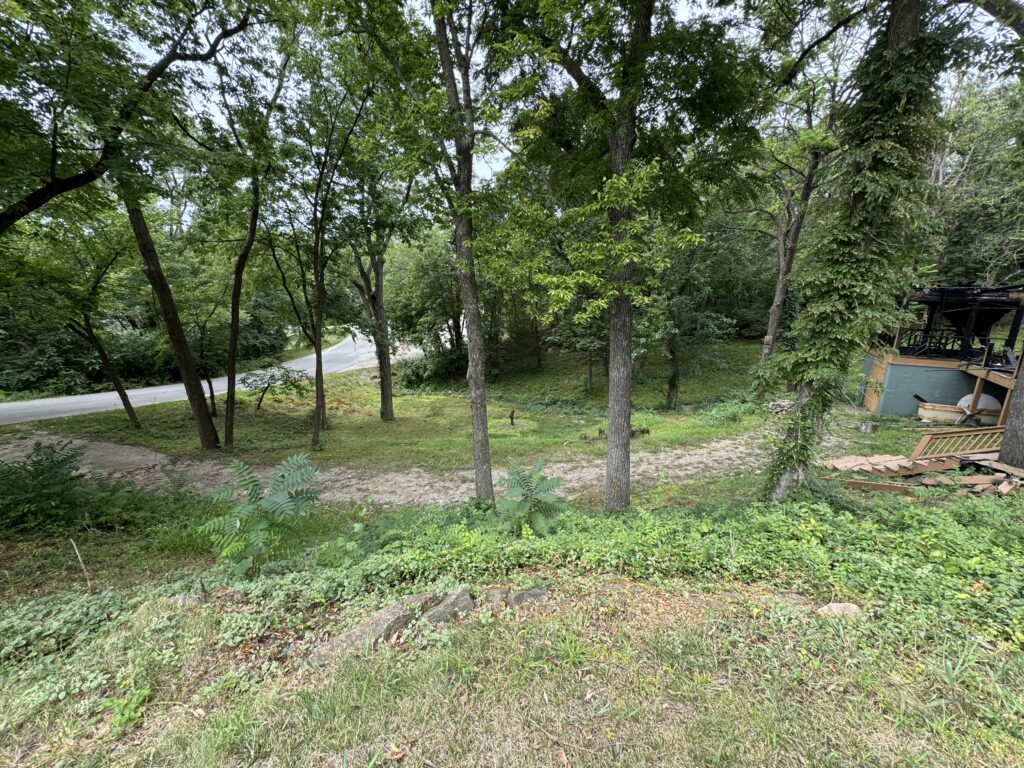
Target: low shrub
(251, 532)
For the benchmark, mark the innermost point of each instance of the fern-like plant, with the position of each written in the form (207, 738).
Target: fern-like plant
(529, 501)
(251, 532)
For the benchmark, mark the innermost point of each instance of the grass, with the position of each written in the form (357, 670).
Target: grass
(673, 639)
(682, 633)
(555, 419)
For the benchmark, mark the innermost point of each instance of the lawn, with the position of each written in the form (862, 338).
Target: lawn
(555, 418)
(682, 633)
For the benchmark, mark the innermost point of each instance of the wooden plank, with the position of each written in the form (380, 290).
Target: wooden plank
(937, 481)
(1006, 487)
(1000, 467)
(980, 479)
(865, 485)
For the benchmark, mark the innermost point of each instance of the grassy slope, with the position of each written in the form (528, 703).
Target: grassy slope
(668, 643)
(555, 419)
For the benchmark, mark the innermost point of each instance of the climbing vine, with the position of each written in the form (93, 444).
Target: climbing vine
(861, 258)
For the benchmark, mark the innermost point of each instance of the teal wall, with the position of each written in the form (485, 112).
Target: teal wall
(936, 385)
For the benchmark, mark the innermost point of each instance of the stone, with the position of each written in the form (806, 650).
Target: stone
(495, 597)
(420, 602)
(839, 611)
(527, 597)
(456, 604)
(793, 598)
(187, 601)
(367, 635)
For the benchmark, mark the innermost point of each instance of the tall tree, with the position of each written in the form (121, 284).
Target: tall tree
(325, 106)
(80, 82)
(863, 253)
(426, 56)
(644, 85)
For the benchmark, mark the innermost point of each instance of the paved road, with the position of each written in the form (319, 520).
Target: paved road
(348, 355)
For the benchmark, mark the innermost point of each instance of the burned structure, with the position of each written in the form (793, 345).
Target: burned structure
(961, 346)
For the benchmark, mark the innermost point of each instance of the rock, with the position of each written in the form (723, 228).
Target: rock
(420, 602)
(453, 606)
(187, 601)
(367, 635)
(793, 598)
(527, 597)
(839, 611)
(495, 597)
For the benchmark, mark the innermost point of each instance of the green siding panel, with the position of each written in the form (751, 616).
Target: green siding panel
(936, 385)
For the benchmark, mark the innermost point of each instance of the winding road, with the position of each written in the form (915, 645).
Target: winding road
(348, 355)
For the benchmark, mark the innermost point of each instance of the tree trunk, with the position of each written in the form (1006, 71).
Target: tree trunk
(590, 372)
(476, 369)
(110, 371)
(383, 343)
(236, 309)
(620, 390)
(1012, 450)
(815, 395)
(213, 398)
(620, 341)
(672, 397)
(320, 405)
(789, 241)
(175, 332)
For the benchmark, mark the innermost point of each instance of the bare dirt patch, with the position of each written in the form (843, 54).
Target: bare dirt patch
(413, 487)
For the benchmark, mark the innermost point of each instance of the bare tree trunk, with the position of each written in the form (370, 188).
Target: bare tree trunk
(620, 344)
(672, 397)
(476, 369)
(176, 333)
(320, 406)
(109, 370)
(213, 397)
(590, 372)
(1012, 450)
(620, 390)
(383, 342)
(789, 242)
(236, 309)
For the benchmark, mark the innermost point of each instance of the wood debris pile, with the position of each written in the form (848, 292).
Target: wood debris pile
(977, 472)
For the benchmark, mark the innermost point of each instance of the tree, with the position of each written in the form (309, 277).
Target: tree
(865, 247)
(375, 210)
(80, 85)
(324, 109)
(431, 63)
(635, 96)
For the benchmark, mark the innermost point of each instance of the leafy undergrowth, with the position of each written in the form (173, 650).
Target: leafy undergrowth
(669, 644)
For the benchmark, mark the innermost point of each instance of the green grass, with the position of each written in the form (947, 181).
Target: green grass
(673, 637)
(555, 419)
(670, 641)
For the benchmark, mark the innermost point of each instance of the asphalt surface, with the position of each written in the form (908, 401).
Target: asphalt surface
(351, 354)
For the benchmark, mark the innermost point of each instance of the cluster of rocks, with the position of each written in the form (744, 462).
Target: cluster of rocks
(432, 609)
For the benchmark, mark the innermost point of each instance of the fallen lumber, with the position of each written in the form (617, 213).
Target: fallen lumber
(902, 489)
(980, 479)
(1000, 467)
(1005, 487)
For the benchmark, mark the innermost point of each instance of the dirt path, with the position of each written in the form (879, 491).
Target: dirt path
(415, 486)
